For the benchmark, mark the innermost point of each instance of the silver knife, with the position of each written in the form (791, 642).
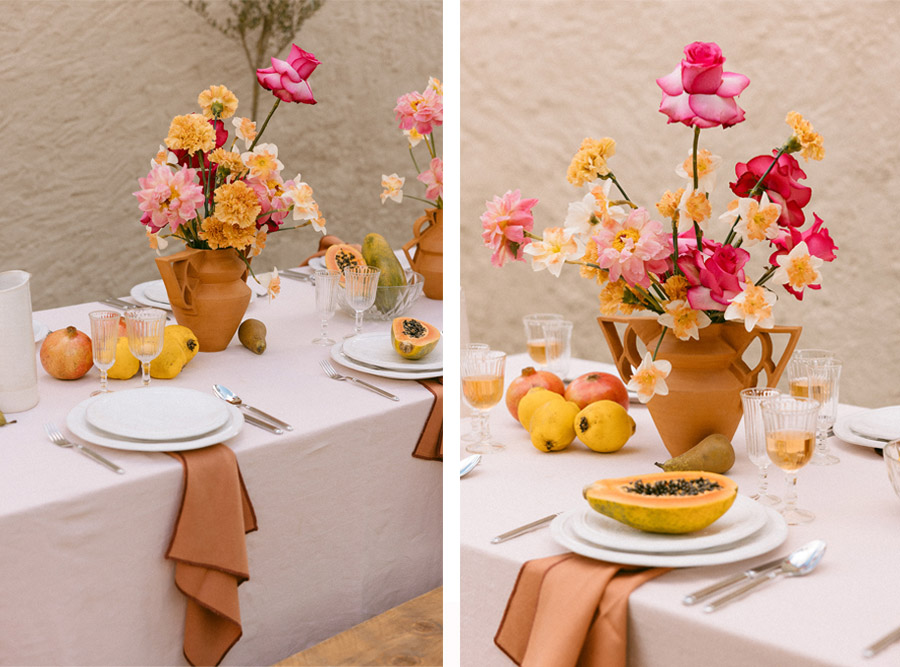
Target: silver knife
(527, 528)
(752, 573)
(882, 644)
(302, 277)
(372, 387)
(266, 426)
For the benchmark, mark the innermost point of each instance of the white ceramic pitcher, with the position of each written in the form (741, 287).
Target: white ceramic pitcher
(18, 363)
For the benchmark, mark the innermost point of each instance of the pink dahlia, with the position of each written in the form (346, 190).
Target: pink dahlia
(505, 222)
(633, 248)
(433, 179)
(420, 111)
(168, 198)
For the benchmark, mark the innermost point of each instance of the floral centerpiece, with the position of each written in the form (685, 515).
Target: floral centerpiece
(660, 261)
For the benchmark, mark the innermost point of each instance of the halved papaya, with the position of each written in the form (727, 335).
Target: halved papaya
(341, 255)
(413, 338)
(667, 502)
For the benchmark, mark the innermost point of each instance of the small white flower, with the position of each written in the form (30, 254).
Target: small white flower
(552, 251)
(798, 268)
(649, 378)
(753, 306)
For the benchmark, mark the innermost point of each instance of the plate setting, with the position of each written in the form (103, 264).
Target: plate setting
(376, 349)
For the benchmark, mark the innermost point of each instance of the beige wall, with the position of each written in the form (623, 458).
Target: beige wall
(87, 91)
(539, 76)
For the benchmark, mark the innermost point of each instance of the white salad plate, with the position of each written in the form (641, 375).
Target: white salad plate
(743, 518)
(773, 533)
(842, 431)
(139, 294)
(878, 424)
(338, 356)
(40, 330)
(376, 349)
(156, 413)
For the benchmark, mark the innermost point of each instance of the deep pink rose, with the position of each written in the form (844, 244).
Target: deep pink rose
(699, 93)
(781, 184)
(287, 79)
(715, 276)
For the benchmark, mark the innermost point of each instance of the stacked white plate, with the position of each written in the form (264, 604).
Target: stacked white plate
(153, 293)
(373, 353)
(870, 428)
(747, 529)
(155, 419)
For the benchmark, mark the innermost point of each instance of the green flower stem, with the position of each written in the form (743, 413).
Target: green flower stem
(430, 145)
(612, 177)
(699, 236)
(427, 201)
(768, 274)
(676, 269)
(415, 164)
(756, 189)
(622, 202)
(659, 342)
(694, 156)
(529, 235)
(265, 123)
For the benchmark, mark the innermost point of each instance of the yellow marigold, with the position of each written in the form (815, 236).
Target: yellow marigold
(811, 142)
(219, 234)
(697, 206)
(612, 299)
(592, 272)
(229, 160)
(217, 102)
(191, 133)
(668, 205)
(237, 204)
(676, 287)
(590, 160)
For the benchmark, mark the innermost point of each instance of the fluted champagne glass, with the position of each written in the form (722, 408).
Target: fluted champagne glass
(145, 328)
(755, 436)
(472, 436)
(790, 425)
(534, 336)
(327, 283)
(818, 378)
(104, 338)
(482, 389)
(360, 288)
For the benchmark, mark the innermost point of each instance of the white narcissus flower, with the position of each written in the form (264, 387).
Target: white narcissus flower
(707, 164)
(649, 378)
(798, 268)
(393, 187)
(753, 306)
(758, 219)
(552, 251)
(684, 321)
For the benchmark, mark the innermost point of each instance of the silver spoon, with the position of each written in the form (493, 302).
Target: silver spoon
(468, 464)
(226, 394)
(800, 562)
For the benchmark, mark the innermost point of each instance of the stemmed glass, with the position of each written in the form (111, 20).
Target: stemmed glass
(327, 282)
(473, 435)
(104, 338)
(482, 388)
(535, 338)
(818, 378)
(361, 286)
(790, 424)
(145, 328)
(755, 435)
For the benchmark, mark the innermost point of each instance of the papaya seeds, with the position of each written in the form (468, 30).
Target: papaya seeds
(252, 334)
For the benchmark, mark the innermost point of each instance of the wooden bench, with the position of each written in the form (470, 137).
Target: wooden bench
(409, 634)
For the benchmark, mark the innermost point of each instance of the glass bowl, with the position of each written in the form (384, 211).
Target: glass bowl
(892, 460)
(391, 302)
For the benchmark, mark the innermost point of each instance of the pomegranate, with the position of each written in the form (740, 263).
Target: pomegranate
(596, 386)
(66, 354)
(528, 379)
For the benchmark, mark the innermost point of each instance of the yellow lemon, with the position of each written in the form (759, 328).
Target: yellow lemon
(552, 425)
(126, 364)
(535, 397)
(604, 426)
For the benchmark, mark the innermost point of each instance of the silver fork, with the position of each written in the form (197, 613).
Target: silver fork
(334, 375)
(57, 438)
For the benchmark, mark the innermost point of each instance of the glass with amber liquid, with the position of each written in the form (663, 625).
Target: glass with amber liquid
(818, 377)
(790, 427)
(536, 340)
(482, 389)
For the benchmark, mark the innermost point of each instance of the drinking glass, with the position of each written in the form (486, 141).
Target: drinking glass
(818, 378)
(473, 435)
(104, 338)
(558, 346)
(360, 288)
(790, 425)
(145, 336)
(892, 460)
(482, 388)
(755, 435)
(327, 282)
(534, 336)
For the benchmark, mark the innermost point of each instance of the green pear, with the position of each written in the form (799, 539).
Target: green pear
(712, 454)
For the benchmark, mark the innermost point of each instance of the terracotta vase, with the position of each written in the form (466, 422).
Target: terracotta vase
(208, 292)
(707, 375)
(429, 251)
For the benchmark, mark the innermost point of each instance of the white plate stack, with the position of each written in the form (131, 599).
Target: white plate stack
(373, 353)
(870, 428)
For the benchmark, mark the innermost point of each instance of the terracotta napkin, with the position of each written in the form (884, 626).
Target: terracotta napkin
(210, 551)
(431, 443)
(570, 611)
(324, 244)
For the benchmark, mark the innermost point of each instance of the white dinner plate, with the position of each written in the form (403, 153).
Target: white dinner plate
(78, 425)
(344, 360)
(883, 423)
(842, 431)
(40, 330)
(771, 535)
(744, 518)
(139, 294)
(375, 349)
(156, 413)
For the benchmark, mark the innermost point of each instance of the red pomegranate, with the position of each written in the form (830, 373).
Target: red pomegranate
(528, 379)
(66, 354)
(596, 386)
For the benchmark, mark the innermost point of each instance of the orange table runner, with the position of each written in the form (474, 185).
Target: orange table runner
(431, 442)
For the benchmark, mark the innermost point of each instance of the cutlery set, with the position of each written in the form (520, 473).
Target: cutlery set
(334, 375)
(293, 274)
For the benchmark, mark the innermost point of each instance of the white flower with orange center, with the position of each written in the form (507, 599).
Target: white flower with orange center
(758, 219)
(436, 85)
(413, 136)
(707, 164)
(274, 286)
(693, 207)
(156, 241)
(753, 307)
(262, 161)
(259, 243)
(245, 129)
(649, 378)
(393, 188)
(552, 251)
(798, 268)
(164, 156)
(301, 194)
(684, 321)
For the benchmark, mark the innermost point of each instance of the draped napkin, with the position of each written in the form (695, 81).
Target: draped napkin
(570, 611)
(324, 244)
(431, 442)
(210, 551)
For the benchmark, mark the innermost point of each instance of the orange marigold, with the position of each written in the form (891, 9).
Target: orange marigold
(237, 204)
(191, 133)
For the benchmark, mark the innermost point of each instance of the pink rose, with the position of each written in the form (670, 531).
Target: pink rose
(699, 93)
(287, 79)
(719, 275)
(782, 184)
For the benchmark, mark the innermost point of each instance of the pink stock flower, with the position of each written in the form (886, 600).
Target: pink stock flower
(781, 184)
(715, 276)
(699, 93)
(633, 249)
(433, 179)
(505, 222)
(287, 79)
(168, 198)
(420, 111)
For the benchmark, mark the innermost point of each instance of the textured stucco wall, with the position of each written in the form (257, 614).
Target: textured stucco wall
(538, 77)
(87, 91)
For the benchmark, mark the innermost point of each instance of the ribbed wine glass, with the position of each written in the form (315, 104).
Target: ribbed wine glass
(327, 283)
(360, 288)
(145, 328)
(104, 338)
